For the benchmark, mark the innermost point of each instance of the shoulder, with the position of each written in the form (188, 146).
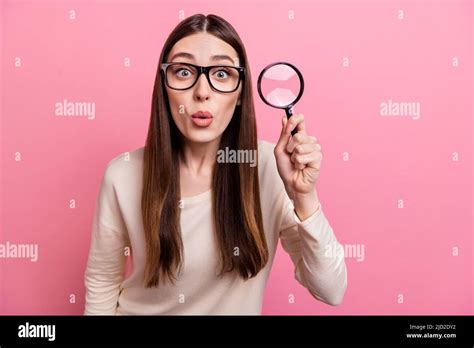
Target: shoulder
(272, 190)
(265, 150)
(124, 167)
(266, 158)
(265, 145)
(267, 169)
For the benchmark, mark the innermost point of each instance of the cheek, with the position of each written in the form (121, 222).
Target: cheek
(177, 106)
(227, 108)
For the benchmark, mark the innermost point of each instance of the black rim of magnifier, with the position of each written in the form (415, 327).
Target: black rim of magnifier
(300, 76)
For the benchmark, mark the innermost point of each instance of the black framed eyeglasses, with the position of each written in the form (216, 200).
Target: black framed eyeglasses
(222, 78)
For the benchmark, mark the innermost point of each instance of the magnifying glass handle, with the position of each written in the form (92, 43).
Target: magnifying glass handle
(289, 113)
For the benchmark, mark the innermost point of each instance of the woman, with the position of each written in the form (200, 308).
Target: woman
(203, 233)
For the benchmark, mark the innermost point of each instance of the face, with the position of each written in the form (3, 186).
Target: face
(202, 49)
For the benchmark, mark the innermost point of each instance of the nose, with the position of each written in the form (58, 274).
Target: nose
(202, 88)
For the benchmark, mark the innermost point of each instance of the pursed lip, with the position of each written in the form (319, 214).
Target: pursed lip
(202, 114)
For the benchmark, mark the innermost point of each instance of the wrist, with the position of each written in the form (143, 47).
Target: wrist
(305, 204)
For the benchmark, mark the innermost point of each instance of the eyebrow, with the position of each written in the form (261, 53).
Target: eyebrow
(213, 58)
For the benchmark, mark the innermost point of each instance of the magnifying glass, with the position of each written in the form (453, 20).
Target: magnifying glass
(281, 85)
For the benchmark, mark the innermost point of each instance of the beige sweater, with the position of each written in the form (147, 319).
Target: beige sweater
(311, 244)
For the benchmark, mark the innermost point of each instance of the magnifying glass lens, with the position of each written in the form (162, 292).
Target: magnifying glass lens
(280, 85)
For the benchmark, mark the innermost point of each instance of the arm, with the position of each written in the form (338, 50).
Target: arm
(106, 263)
(315, 252)
(305, 232)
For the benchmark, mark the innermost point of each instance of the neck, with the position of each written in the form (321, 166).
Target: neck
(198, 159)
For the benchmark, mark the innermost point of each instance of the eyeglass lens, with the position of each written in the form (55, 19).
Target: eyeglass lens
(182, 76)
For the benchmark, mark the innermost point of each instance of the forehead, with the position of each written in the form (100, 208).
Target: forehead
(203, 46)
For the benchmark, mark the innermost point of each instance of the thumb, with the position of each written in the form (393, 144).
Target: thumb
(284, 137)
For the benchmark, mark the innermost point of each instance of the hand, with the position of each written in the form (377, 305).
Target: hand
(298, 159)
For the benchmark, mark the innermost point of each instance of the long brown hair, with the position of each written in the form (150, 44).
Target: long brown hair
(235, 188)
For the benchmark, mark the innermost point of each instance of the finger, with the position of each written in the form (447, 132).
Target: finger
(305, 148)
(297, 162)
(312, 160)
(295, 140)
(299, 138)
(300, 166)
(283, 140)
(296, 121)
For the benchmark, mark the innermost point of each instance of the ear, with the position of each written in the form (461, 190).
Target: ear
(239, 101)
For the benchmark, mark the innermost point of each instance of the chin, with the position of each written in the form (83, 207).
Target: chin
(201, 136)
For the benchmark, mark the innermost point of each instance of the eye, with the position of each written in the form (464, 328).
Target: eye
(183, 72)
(222, 73)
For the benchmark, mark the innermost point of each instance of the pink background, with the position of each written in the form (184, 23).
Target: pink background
(407, 251)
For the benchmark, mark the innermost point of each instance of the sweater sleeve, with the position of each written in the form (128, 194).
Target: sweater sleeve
(106, 262)
(315, 252)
